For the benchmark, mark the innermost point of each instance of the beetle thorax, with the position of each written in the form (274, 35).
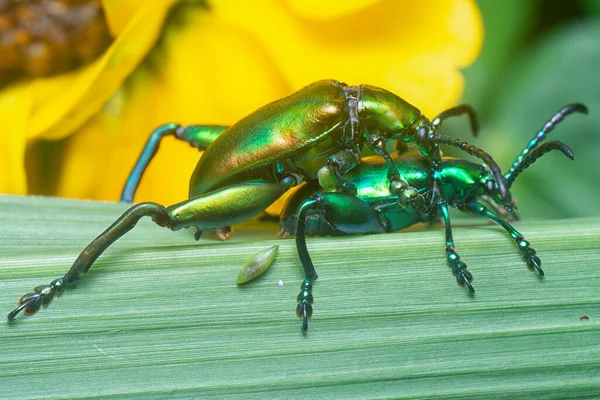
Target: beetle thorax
(385, 113)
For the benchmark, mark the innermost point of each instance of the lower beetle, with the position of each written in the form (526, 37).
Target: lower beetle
(374, 208)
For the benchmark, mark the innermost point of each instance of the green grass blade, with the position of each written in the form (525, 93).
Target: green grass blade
(161, 315)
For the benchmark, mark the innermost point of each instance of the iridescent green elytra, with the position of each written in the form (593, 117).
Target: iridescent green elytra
(314, 137)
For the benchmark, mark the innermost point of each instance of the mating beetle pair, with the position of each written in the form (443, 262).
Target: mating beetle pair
(314, 139)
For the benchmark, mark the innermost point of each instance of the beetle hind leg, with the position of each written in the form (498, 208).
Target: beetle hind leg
(227, 206)
(198, 136)
(42, 295)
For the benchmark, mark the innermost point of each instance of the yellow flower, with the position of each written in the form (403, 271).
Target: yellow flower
(213, 63)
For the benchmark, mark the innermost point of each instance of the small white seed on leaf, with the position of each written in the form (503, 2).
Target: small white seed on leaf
(257, 265)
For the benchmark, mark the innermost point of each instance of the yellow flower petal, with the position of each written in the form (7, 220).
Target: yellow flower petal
(326, 9)
(222, 63)
(370, 46)
(14, 110)
(207, 71)
(118, 13)
(64, 103)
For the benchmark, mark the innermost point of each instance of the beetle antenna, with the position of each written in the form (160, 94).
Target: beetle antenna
(486, 158)
(537, 153)
(546, 129)
(455, 112)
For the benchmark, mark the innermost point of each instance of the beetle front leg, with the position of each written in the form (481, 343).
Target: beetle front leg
(407, 195)
(330, 176)
(226, 206)
(459, 268)
(528, 253)
(198, 136)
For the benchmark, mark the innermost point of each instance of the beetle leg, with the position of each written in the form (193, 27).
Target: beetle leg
(407, 195)
(528, 254)
(344, 213)
(459, 268)
(305, 298)
(226, 206)
(330, 176)
(198, 136)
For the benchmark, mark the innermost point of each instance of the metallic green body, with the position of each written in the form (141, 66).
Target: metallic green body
(375, 208)
(248, 166)
(301, 127)
(300, 132)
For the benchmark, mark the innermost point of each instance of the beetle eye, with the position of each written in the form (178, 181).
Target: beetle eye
(490, 185)
(422, 134)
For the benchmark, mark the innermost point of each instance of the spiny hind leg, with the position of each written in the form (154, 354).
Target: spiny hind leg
(226, 206)
(197, 136)
(43, 294)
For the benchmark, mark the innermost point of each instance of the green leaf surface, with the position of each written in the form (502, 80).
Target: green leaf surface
(160, 315)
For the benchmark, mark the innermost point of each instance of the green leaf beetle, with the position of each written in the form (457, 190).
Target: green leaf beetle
(315, 136)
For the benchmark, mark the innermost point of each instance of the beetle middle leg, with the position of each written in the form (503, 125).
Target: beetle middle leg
(226, 206)
(198, 136)
(344, 213)
(406, 195)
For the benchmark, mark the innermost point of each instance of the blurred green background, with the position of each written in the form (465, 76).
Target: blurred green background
(538, 56)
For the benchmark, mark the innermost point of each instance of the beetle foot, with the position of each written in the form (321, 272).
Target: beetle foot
(459, 269)
(41, 296)
(528, 254)
(411, 197)
(305, 300)
(223, 232)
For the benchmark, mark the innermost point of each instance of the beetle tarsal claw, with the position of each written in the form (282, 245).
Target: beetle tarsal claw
(304, 319)
(305, 299)
(411, 197)
(41, 296)
(528, 254)
(224, 232)
(467, 283)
